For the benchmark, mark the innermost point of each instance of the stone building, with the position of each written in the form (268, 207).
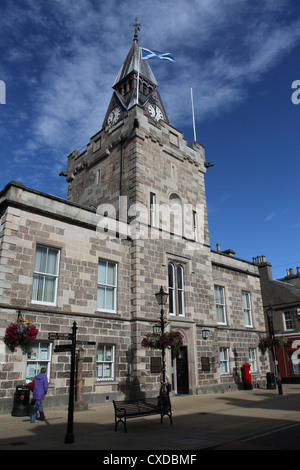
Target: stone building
(283, 297)
(135, 219)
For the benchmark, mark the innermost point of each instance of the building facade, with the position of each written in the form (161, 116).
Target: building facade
(283, 296)
(135, 219)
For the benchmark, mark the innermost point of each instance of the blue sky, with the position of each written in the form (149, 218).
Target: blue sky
(59, 59)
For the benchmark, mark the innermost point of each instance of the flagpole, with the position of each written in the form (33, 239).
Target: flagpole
(195, 138)
(138, 78)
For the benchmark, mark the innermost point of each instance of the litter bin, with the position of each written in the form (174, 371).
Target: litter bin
(21, 401)
(271, 384)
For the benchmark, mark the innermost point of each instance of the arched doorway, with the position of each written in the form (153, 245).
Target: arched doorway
(180, 371)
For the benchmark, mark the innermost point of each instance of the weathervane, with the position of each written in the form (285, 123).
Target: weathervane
(136, 29)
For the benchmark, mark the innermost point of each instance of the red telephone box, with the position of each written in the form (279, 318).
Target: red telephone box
(246, 376)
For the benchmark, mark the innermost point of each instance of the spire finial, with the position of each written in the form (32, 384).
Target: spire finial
(136, 29)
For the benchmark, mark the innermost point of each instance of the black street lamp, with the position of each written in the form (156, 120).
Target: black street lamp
(162, 298)
(270, 315)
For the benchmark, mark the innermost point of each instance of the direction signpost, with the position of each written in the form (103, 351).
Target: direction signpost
(69, 437)
(69, 347)
(63, 347)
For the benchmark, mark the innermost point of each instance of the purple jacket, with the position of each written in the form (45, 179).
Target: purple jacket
(40, 387)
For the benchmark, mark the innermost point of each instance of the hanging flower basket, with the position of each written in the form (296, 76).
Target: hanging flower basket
(172, 340)
(19, 333)
(267, 343)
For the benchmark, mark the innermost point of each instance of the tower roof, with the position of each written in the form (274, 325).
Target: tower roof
(131, 64)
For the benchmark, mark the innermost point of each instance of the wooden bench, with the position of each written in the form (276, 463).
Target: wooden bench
(128, 409)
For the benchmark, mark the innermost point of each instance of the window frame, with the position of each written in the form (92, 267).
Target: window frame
(290, 320)
(223, 305)
(108, 286)
(44, 275)
(153, 212)
(176, 290)
(224, 361)
(105, 361)
(247, 309)
(40, 362)
(195, 225)
(253, 359)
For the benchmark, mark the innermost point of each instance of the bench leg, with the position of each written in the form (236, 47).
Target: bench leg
(120, 420)
(166, 413)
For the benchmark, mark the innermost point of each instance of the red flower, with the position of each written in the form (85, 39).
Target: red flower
(19, 333)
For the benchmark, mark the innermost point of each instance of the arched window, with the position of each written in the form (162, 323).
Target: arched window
(176, 289)
(180, 290)
(171, 272)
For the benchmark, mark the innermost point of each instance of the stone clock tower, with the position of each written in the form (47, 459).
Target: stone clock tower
(134, 170)
(137, 152)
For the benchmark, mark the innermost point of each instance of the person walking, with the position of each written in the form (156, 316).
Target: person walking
(39, 392)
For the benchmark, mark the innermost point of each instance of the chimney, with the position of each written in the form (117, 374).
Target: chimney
(218, 247)
(265, 268)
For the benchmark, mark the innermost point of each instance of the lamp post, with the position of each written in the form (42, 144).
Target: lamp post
(162, 298)
(270, 315)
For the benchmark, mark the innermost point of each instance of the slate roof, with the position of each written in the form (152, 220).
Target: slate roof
(130, 65)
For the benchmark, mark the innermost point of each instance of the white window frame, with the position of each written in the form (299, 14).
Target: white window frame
(222, 306)
(45, 275)
(224, 361)
(171, 283)
(289, 321)
(180, 291)
(253, 359)
(108, 286)
(153, 210)
(36, 358)
(176, 289)
(101, 363)
(246, 300)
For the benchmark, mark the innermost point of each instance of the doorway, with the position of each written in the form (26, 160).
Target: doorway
(180, 373)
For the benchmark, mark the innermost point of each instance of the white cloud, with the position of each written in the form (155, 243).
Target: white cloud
(270, 217)
(69, 52)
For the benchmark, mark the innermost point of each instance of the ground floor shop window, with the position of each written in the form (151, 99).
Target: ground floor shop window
(39, 356)
(105, 362)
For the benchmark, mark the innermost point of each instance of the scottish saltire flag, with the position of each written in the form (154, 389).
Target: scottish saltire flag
(149, 54)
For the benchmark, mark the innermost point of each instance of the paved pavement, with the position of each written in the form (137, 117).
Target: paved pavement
(224, 421)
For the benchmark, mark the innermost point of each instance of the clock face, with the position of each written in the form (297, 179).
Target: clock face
(155, 112)
(114, 115)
